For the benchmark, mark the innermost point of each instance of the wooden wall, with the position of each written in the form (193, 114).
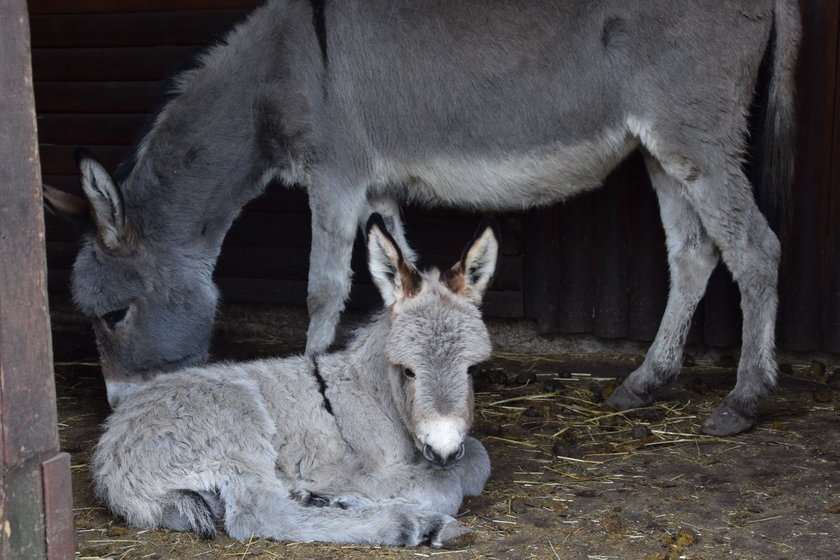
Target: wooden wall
(593, 265)
(36, 505)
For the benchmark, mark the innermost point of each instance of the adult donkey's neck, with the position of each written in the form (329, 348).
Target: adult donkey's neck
(234, 123)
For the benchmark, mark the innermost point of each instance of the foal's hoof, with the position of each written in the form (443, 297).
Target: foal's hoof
(453, 535)
(726, 421)
(624, 399)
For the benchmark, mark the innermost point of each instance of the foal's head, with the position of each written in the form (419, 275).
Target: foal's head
(436, 335)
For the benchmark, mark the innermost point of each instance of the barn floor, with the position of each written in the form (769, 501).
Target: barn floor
(570, 480)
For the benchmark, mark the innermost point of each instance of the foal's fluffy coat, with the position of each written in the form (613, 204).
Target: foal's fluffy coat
(364, 445)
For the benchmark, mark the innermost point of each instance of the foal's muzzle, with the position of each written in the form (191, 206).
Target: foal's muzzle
(443, 462)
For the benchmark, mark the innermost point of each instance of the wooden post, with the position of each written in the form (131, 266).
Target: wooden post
(36, 512)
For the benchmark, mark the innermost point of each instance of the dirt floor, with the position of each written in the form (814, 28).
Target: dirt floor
(570, 479)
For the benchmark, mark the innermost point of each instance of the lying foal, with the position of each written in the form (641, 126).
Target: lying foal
(364, 445)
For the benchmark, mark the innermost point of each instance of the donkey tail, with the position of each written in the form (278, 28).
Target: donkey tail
(186, 510)
(777, 143)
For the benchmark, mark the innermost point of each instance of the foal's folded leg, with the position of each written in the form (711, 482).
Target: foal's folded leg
(263, 508)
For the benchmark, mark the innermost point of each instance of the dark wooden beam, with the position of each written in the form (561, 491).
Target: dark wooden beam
(27, 391)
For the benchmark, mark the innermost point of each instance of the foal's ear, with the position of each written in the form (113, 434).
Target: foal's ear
(396, 278)
(470, 276)
(106, 205)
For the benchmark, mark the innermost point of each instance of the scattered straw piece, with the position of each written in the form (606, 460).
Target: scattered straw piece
(514, 441)
(557, 556)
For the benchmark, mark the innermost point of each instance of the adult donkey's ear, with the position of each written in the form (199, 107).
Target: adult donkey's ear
(470, 276)
(396, 278)
(72, 208)
(106, 205)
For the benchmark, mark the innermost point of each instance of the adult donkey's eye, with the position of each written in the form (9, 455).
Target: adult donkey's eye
(408, 373)
(112, 318)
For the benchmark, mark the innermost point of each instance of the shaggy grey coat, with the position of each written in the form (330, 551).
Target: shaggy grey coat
(365, 445)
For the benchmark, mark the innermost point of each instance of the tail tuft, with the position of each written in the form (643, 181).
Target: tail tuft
(189, 511)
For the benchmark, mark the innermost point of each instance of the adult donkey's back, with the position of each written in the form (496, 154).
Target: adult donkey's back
(476, 104)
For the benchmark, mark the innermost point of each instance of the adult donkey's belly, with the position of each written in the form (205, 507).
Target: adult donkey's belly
(508, 181)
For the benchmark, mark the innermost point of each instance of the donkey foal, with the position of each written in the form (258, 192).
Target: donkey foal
(365, 445)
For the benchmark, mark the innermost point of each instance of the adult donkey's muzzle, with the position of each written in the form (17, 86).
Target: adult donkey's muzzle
(443, 462)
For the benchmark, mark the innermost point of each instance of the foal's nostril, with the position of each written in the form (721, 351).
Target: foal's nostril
(432, 456)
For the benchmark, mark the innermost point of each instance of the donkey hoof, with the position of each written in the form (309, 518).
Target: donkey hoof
(453, 535)
(622, 399)
(726, 421)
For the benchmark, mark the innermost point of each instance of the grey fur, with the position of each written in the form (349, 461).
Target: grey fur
(481, 105)
(256, 445)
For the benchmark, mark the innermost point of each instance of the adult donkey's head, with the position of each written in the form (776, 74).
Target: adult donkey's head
(436, 334)
(150, 294)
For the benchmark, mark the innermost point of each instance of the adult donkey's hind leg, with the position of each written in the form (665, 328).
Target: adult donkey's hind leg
(724, 201)
(715, 188)
(692, 257)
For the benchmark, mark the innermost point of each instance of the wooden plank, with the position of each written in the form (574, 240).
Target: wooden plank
(429, 234)
(195, 27)
(542, 267)
(99, 97)
(102, 129)
(23, 527)
(61, 254)
(4, 538)
(648, 280)
(111, 64)
(610, 306)
(497, 303)
(27, 395)
(128, 6)
(58, 507)
(27, 392)
(801, 310)
(577, 264)
(441, 234)
(59, 230)
(59, 282)
(293, 263)
(61, 160)
(722, 310)
(831, 329)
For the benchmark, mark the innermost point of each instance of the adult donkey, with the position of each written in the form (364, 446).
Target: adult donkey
(475, 104)
(379, 431)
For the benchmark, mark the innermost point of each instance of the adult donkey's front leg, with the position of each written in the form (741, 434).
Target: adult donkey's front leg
(337, 207)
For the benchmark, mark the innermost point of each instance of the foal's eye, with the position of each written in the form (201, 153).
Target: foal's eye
(112, 318)
(408, 373)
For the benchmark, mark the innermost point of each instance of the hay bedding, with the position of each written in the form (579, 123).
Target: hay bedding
(571, 480)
